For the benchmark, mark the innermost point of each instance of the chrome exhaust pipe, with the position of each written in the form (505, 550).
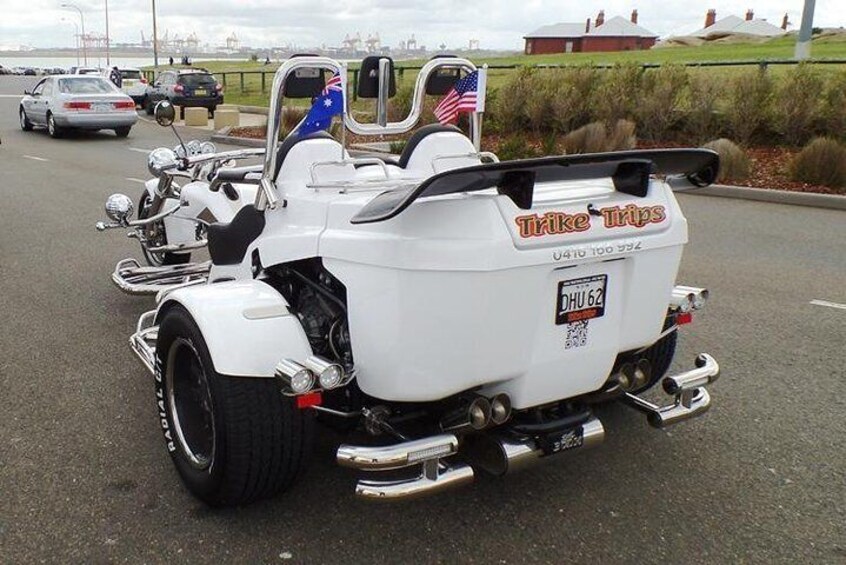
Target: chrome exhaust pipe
(476, 416)
(500, 409)
(503, 454)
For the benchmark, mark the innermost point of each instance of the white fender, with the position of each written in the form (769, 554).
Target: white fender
(247, 326)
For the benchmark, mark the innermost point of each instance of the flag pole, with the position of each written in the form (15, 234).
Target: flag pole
(480, 106)
(344, 112)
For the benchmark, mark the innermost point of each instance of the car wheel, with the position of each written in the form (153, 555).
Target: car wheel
(54, 130)
(149, 107)
(211, 111)
(156, 236)
(26, 125)
(233, 440)
(122, 131)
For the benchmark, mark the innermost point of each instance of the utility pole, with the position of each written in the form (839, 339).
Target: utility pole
(76, 35)
(108, 61)
(803, 43)
(155, 40)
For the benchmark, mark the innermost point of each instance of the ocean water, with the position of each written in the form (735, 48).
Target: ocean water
(93, 61)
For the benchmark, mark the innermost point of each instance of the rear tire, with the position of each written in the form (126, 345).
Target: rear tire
(233, 440)
(149, 107)
(54, 130)
(26, 125)
(122, 131)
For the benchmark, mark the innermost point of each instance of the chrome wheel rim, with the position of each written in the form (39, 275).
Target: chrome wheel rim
(190, 404)
(51, 127)
(23, 119)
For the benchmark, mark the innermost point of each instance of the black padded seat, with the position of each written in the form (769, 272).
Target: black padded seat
(228, 243)
(289, 144)
(419, 136)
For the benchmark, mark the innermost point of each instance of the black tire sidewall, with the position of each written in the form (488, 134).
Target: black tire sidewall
(205, 484)
(123, 131)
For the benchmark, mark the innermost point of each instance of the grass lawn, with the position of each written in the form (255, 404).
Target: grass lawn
(831, 47)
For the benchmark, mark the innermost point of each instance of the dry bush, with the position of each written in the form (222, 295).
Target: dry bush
(622, 136)
(734, 164)
(291, 118)
(821, 162)
(597, 138)
(658, 100)
(616, 96)
(400, 105)
(537, 103)
(701, 117)
(796, 104)
(748, 104)
(833, 111)
(572, 91)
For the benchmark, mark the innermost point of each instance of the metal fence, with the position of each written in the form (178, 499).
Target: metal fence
(240, 77)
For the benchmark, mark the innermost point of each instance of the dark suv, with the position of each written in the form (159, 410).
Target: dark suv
(187, 88)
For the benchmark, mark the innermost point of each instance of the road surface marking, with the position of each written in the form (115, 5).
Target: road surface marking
(130, 179)
(139, 150)
(828, 304)
(34, 158)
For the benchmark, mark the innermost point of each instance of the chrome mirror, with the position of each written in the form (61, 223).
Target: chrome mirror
(165, 113)
(119, 208)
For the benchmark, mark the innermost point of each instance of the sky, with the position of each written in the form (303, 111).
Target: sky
(497, 24)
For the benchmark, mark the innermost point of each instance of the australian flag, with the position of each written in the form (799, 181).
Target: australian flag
(330, 103)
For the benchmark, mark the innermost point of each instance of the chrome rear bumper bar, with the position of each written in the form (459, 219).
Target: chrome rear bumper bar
(143, 341)
(133, 278)
(691, 399)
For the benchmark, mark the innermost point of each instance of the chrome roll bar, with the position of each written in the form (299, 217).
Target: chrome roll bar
(267, 196)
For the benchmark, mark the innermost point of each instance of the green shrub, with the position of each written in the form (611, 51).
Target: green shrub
(549, 144)
(658, 100)
(796, 104)
(821, 162)
(616, 96)
(396, 147)
(748, 104)
(515, 147)
(510, 102)
(833, 111)
(400, 104)
(734, 164)
(701, 120)
(571, 92)
(537, 104)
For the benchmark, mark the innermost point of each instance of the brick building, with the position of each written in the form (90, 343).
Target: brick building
(616, 34)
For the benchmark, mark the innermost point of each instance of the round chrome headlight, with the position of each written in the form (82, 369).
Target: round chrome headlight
(118, 207)
(208, 148)
(180, 152)
(159, 160)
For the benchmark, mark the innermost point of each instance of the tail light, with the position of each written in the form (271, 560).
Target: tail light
(179, 88)
(124, 105)
(77, 105)
(143, 80)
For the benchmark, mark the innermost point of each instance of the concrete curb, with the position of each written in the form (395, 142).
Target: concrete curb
(830, 201)
(253, 110)
(223, 137)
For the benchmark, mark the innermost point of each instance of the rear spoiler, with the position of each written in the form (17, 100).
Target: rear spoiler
(629, 170)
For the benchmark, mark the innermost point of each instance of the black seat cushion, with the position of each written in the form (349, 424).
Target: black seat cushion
(228, 243)
(289, 143)
(419, 136)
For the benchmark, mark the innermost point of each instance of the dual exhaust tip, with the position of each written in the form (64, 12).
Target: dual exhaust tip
(479, 414)
(315, 372)
(686, 299)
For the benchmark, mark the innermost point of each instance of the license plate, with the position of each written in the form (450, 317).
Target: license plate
(581, 299)
(101, 107)
(559, 442)
(200, 92)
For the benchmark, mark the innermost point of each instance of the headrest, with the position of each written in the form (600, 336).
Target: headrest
(442, 80)
(368, 78)
(305, 82)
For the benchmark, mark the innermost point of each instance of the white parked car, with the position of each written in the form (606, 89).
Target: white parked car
(133, 83)
(87, 71)
(77, 102)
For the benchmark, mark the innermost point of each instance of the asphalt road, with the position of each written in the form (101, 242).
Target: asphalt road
(84, 476)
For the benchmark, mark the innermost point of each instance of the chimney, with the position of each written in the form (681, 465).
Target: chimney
(600, 18)
(785, 22)
(750, 15)
(710, 18)
(634, 16)
(587, 26)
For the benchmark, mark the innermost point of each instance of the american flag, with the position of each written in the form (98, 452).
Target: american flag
(462, 98)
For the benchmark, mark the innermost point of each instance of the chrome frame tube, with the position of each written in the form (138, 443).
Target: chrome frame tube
(384, 92)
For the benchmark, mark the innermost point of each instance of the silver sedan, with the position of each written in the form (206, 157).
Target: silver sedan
(77, 102)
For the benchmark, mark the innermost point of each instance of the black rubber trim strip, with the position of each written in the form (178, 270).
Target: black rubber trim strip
(695, 167)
